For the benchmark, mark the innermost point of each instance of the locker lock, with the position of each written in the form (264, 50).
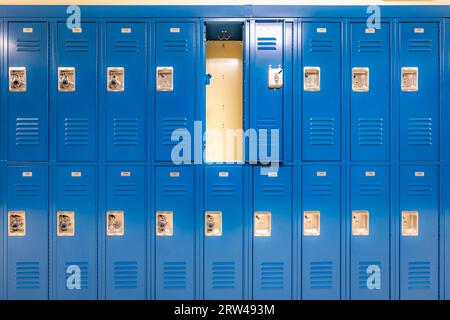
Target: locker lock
(116, 79)
(16, 222)
(164, 223)
(66, 223)
(17, 79)
(66, 79)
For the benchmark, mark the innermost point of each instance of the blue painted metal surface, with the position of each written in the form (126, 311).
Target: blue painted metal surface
(75, 252)
(272, 254)
(321, 261)
(370, 254)
(175, 253)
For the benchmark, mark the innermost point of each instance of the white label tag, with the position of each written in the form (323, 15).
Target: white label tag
(272, 174)
(27, 174)
(125, 30)
(223, 174)
(370, 173)
(75, 174)
(321, 30)
(175, 30)
(125, 173)
(370, 30)
(174, 174)
(419, 174)
(77, 30)
(419, 30)
(27, 30)
(321, 173)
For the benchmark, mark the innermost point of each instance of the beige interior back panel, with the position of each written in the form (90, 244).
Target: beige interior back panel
(224, 101)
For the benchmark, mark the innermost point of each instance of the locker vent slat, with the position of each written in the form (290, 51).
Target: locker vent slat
(28, 275)
(371, 189)
(321, 275)
(76, 190)
(420, 190)
(175, 45)
(84, 269)
(272, 276)
(76, 132)
(321, 46)
(125, 131)
(223, 189)
(27, 190)
(321, 131)
(419, 275)
(420, 45)
(223, 275)
(362, 271)
(76, 45)
(273, 190)
(27, 131)
(169, 125)
(174, 275)
(125, 190)
(370, 46)
(121, 46)
(321, 189)
(172, 189)
(28, 45)
(125, 275)
(420, 131)
(370, 131)
(266, 43)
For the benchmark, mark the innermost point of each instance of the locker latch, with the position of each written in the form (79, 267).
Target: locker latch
(410, 79)
(115, 223)
(311, 78)
(164, 223)
(66, 79)
(164, 78)
(17, 79)
(360, 79)
(360, 222)
(311, 223)
(66, 223)
(410, 223)
(275, 77)
(16, 223)
(116, 79)
(213, 223)
(263, 224)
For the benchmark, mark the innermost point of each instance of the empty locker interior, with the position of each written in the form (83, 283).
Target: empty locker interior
(224, 92)
(225, 153)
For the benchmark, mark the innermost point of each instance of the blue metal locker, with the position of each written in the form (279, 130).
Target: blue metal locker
(176, 48)
(270, 109)
(27, 67)
(76, 61)
(125, 232)
(370, 238)
(321, 72)
(419, 232)
(27, 232)
(272, 234)
(321, 229)
(370, 92)
(175, 233)
(419, 91)
(75, 216)
(126, 98)
(223, 232)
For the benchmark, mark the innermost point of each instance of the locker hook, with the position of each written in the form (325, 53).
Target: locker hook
(224, 35)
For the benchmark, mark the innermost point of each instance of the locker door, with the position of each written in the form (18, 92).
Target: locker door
(321, 232)
(27, 233)
(321, 54)
(175, 233)
(175, 104)
(419, 233)
(223, 232)
(267, 106)
(125, 91)
(77, 100)
(272, 234)
(419, 104)
(370, 92)
(27, 108)
(369, 269)
(125, 233)
(76, 232)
